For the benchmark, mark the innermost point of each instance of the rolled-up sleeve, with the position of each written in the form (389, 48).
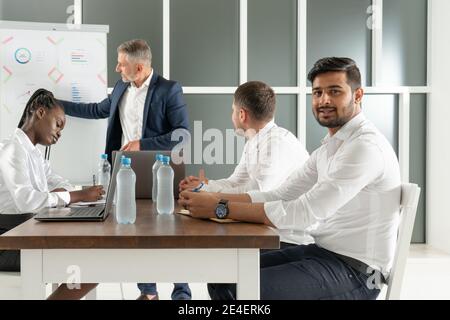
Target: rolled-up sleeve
(299, 182)
(346, 176)
(236, 183)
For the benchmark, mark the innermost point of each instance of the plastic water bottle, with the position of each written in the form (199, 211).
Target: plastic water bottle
(104, 172)
(126, 195)
(156, 166)
(115, 191)
(165, 199)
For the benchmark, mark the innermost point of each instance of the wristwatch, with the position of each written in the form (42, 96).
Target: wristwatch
(222, 209)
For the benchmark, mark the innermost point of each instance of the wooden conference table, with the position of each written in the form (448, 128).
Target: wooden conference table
(157, 248)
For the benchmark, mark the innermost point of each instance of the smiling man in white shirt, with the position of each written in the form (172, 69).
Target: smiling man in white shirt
(349, 188)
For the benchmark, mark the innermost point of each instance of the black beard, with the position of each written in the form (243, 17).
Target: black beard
(336, 123)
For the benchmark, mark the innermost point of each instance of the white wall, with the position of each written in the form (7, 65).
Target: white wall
(438, 155)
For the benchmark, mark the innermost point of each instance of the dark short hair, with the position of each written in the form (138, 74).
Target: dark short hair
(40, 98)
(256, 97)
(333, 64)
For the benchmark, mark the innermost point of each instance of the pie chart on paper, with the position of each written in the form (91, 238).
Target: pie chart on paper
(22, 55)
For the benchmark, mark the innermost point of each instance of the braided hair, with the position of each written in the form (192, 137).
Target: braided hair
(40, 98)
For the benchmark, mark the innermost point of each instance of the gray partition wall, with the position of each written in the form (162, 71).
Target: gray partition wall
(339, 28)
(418, 152)
(272, 42)
(204, 42)
(60, 11)
(404, 42)
(212, 46)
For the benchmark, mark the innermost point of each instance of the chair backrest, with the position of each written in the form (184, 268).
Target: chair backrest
(408, 207)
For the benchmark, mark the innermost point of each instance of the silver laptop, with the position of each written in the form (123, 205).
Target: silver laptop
(91, 213)
(142, 163)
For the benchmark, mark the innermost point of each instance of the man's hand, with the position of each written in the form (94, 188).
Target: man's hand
(90, 194)
(200, 204)
(191, 182)
(132, 146)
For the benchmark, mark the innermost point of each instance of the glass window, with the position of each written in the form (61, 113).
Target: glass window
(37, 10)
(204, 42)
(417, 154)
(140, 20)
(272, 41)
(339, 28)
(404, 42)
(382, 110)
(286, 112)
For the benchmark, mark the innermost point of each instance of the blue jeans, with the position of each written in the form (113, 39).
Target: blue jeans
(304, 272)
(181, 291)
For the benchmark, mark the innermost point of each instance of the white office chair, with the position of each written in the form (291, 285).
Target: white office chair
(408, 207)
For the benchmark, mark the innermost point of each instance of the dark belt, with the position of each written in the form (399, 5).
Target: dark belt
(360, 266)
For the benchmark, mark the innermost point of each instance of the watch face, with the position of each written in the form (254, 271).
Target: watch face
(221, 211)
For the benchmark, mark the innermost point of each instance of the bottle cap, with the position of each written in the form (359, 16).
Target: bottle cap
(126, 161)
(104, 156)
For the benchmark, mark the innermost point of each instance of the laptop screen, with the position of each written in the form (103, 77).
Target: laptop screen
(112, 184)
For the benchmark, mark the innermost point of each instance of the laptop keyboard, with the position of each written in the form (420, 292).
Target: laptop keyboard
(86, 212)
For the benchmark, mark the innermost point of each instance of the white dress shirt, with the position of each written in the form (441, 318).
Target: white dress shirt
(131, 110)
(350, 190)
(268, 159)
(26, 178)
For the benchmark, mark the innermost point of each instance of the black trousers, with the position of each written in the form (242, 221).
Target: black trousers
(304, 272)
(10, 259)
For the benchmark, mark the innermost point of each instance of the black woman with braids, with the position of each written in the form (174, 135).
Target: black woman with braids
(27, 183)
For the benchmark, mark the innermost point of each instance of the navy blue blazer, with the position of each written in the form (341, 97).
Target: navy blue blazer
(164, 112)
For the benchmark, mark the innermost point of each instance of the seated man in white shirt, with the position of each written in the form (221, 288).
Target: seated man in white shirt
(349, 188)
(27, 183)
(271, 153)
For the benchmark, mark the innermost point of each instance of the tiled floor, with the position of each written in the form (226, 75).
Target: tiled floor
(427, 276)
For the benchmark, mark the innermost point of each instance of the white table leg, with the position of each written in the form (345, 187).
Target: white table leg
(247, 286)
(33, 288)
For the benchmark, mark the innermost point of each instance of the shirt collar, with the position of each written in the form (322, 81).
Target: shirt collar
(146, 83)
(262, 131)
(266, 128)
(347, 130)
(25, 141)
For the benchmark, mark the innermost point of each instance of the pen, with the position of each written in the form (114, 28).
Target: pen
(197, 188)
(93, 179)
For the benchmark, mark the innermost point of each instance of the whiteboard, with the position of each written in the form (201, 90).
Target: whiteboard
(71, 63)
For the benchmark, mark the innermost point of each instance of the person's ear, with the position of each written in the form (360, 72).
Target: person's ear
(359, 93)
(139, 67)
(243, 115)
(40, 112)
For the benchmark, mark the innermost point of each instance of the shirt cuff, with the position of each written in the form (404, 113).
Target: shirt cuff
(68, 187)
(63, 198)
(256, 196)
(275, 213)
(210, 187)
